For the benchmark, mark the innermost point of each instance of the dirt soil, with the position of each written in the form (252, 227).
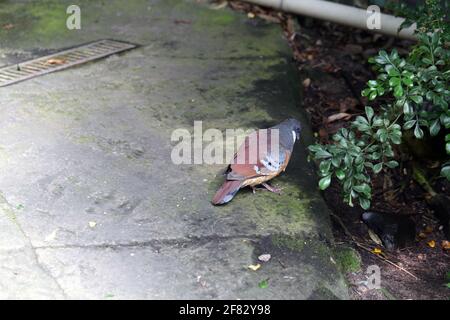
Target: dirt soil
(333, 68)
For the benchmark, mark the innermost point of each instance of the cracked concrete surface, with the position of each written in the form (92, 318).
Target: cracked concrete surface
(22, 275)
(91, 205)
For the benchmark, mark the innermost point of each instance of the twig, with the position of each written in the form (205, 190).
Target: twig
(386, 260)
(281, 264)
(368, 249)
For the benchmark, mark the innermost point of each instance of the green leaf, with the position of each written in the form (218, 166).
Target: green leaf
(382, 135)
(445, 120)
(364, 188)
(359, 159)
(418, 132)
(325, 182)
(366, 92)
(417, 99)
(394, 82)
(372, 83)
(340, 174)
(435, 127)
(369, 112)
(396, 138)
(361, 123)
(375, 156)
(393, 72)
(378, 167)
(324, 166)
(435, 39)
(408, 74)
(368, 164)
(445, 172)
(407, 109)
(377, 122)
(392, 164)
(315, 147)
(336, 161)
(372, 95)
(407, 81)
(364, 203)
(382, 57)
(263, 284)
(427, 61)
(398, 91)
(322, 154)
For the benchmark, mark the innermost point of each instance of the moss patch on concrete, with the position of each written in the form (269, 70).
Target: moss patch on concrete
(348, 259)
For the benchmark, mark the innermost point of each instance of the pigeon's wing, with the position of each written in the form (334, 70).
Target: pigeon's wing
(258, 157)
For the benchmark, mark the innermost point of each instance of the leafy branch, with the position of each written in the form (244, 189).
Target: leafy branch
(417, 91)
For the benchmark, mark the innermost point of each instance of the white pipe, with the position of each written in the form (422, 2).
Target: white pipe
(339, 13)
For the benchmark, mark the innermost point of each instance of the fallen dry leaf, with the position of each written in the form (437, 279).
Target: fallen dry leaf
(55, 61)
(348, 104)
(307, 82)
(254, 267)
(377, 251)
(332, 260)
(339, 116)
(219, 6)
(264, 257)
(422, 235)
(374, 237)
(431, 243)
(269, 18)
(428, 229)
(445, 245)
(7, 26)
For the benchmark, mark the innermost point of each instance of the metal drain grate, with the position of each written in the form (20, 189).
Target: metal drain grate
(61, 60)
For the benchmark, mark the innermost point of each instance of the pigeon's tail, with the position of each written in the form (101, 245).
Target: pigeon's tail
(226, 192)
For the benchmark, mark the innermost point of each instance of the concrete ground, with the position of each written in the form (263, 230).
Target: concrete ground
(91, 206)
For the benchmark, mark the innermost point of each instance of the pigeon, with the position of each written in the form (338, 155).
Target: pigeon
(263, 155)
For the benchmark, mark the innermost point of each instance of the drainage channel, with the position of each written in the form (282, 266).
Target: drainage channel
(61, 60)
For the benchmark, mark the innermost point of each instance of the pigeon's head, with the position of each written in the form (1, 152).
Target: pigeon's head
(289, 131)
(293, 125)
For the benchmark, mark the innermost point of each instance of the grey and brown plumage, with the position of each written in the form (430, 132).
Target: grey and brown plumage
(262, 163)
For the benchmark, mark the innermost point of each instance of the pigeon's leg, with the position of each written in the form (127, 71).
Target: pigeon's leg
(271, 188)
(254, 188)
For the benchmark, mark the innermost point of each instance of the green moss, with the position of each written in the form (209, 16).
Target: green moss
(348, 259)
(215, 18)
(292, 242)
(322, 293)
(34, 22)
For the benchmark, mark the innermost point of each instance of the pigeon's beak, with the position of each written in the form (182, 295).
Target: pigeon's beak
(297, 134)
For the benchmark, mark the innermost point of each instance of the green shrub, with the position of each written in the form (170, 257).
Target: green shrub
(417, 94)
